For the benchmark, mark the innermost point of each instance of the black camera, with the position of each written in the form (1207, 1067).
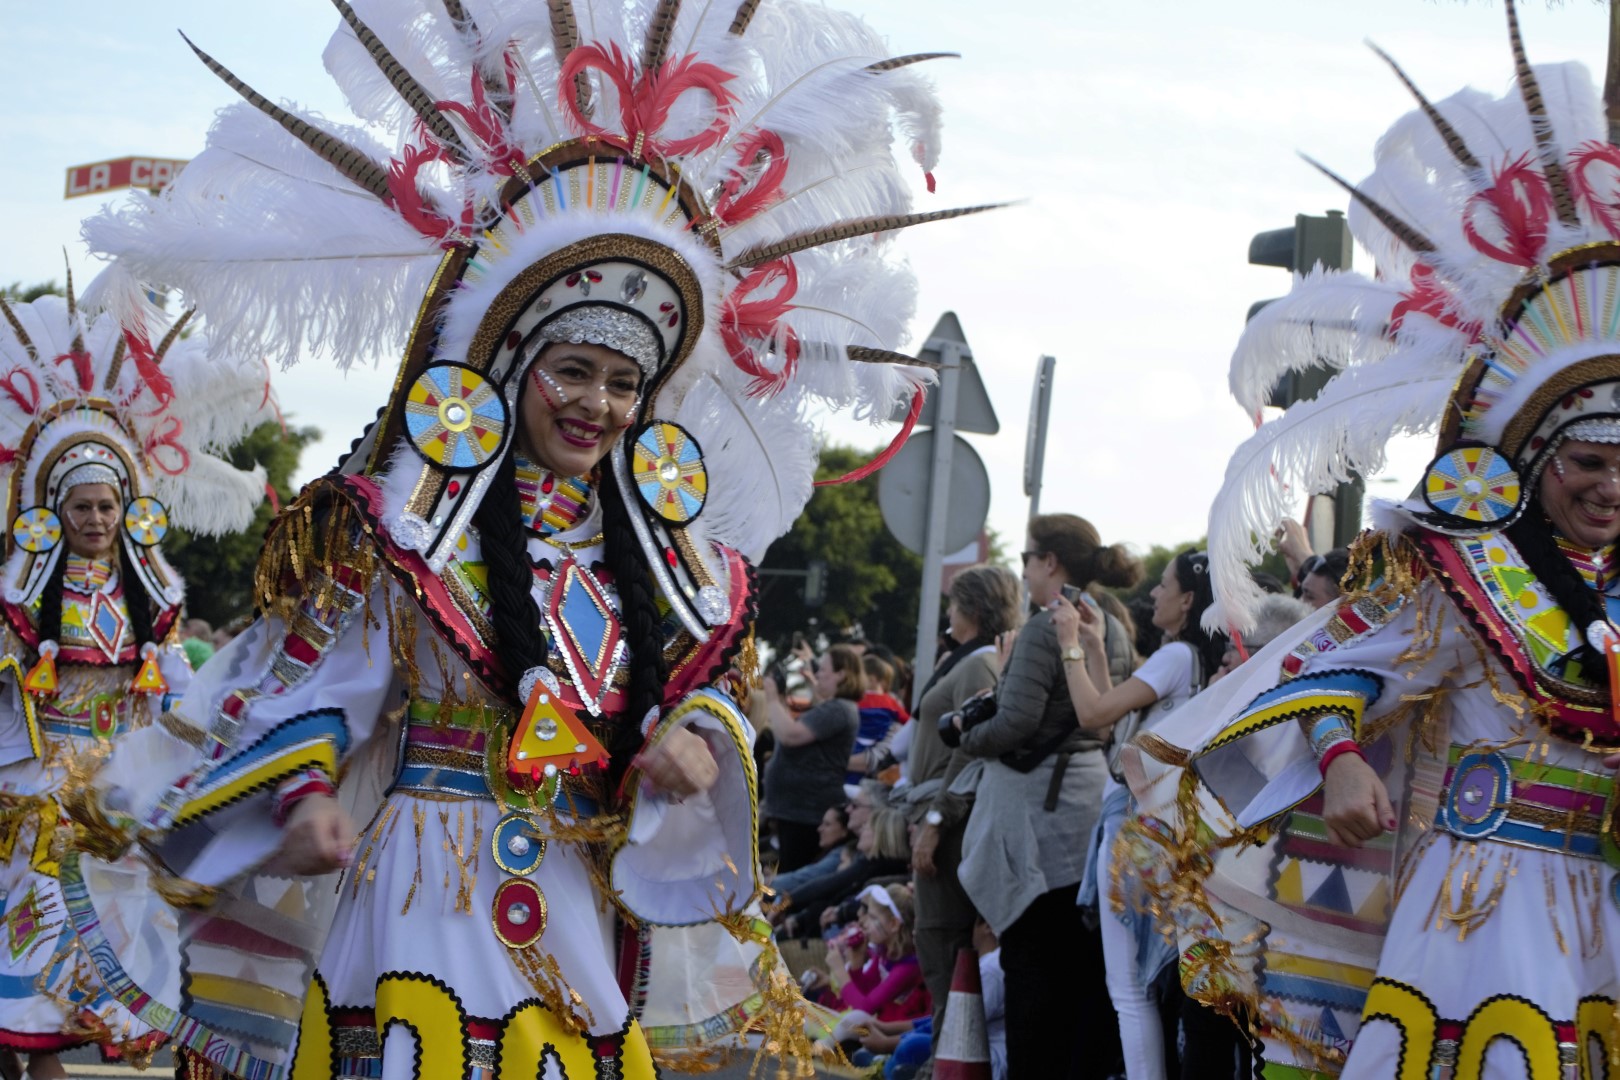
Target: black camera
(974, 711)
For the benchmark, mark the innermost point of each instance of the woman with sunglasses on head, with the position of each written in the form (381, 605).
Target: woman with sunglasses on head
(1037, 789)
(1134, 948)
(103, 438)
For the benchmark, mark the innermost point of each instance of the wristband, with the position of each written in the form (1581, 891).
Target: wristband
(298, 787)
(1327, 732)
(1346, 746)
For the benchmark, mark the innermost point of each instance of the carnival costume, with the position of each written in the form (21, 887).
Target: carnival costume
(86, 649)
(1470, 664)
(695, 187)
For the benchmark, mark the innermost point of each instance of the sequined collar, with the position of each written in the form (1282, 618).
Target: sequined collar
(550, 503)
(86, 576)
(1599, 567)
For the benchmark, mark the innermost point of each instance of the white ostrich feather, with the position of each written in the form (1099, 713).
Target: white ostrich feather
(761, 459)
(1310, 448)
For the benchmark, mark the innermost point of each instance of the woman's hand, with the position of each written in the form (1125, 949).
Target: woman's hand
(1004, 646)
(318, 837)
(681, 764)
(1066, 623)
(923, 848)
(1090, 623)
(1356, 806)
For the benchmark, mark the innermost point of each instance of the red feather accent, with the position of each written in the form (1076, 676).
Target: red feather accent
(1604, 203)
(486, 125)
(7, 455)
(1522, 204)
(735, 204)
(81, 368)
(408, 200)
(744, 320)
(150, 371)
(1428, 296)
(892, 449)
(29, 404)
(645, 99)
(167, 436)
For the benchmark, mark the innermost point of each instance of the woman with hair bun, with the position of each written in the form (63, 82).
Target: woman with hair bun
(1038, 789)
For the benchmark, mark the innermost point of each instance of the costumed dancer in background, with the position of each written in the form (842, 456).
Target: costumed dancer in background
(624, 248)
(105, 440)
(1443, 903)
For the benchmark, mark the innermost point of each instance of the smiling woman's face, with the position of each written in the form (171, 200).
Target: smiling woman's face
(90, 520)
(1580, 491)
(575, 403)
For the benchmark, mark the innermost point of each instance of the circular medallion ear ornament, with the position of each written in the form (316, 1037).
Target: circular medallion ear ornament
(667, 469)
(147, 521)
(455, 417)
(1473, 486)
(37, 531)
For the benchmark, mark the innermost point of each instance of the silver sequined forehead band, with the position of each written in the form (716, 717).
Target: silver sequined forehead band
(1595, 429)
(613, 328)
(92, 472)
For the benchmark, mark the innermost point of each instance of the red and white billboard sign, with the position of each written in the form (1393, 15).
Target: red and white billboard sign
(129, 172)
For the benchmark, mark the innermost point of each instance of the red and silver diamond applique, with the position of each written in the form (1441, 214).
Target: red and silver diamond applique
(107, 625)
(586, 630)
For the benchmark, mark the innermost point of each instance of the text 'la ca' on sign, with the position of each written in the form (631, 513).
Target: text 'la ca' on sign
(129, 172)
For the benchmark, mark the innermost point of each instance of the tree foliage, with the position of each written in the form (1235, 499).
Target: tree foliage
(871, 579)
(18, 293)
(219, 570)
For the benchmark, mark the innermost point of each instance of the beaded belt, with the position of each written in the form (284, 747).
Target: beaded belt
(103, 717)
(1514, 801)
(444, 756)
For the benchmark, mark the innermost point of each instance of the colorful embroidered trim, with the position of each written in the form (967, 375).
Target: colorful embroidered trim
(1524, 803)
(550, 504)
(314, 740)
(1345, 694)
(1351, 622)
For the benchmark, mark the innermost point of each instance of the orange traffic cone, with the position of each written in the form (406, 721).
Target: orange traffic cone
(963, 1049)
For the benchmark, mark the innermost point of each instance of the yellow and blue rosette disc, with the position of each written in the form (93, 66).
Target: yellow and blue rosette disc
(1474, 484)
(455, 417)
(37, 531)
(666, 467)
(147, 521)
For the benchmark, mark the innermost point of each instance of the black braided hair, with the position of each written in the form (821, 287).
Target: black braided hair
(638, 608)
(50, 602)
(506, 554)
(1533, 535)
(137, 601)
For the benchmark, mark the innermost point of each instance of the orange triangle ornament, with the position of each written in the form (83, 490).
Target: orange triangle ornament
(550, 738)
(41, 680)
(149, 680)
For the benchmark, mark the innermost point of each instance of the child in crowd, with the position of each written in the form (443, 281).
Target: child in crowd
(875, 970)
(882, 715)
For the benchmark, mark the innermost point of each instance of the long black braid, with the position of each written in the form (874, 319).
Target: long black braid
(506, 554)
(137, 601)
(1533, 535)
(639, 615)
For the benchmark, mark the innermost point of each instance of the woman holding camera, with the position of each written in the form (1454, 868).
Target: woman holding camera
(983, 604)
(1036, 802)
(805, 776)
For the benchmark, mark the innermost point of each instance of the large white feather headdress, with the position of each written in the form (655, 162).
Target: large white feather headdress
(1492, 319)
(725, 173)
(122, 399)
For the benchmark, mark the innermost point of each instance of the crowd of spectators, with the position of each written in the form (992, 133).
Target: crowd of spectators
(988, 820)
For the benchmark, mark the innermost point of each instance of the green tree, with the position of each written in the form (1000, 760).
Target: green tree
(871, 579)
(219, 570)
(18, 293)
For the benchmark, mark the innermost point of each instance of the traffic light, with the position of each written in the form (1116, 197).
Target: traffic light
(1311, 241)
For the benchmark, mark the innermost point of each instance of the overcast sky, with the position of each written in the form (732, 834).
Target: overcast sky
(1147, 141)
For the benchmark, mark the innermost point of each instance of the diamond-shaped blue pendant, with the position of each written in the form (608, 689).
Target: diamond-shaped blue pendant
(586, 630)
(106, 625)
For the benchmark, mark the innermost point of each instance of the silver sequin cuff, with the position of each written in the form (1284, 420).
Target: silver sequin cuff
(618, 330)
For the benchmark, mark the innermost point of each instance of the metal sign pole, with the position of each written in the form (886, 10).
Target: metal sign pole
(939, 505)
(1040, 409)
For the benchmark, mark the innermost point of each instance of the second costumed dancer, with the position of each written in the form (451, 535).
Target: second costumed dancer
(108, 435)
(1388, 839)
(624, 249)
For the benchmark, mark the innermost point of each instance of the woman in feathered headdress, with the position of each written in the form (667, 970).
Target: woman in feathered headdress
(104, 439)
(629, 244)
(1391, 844)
